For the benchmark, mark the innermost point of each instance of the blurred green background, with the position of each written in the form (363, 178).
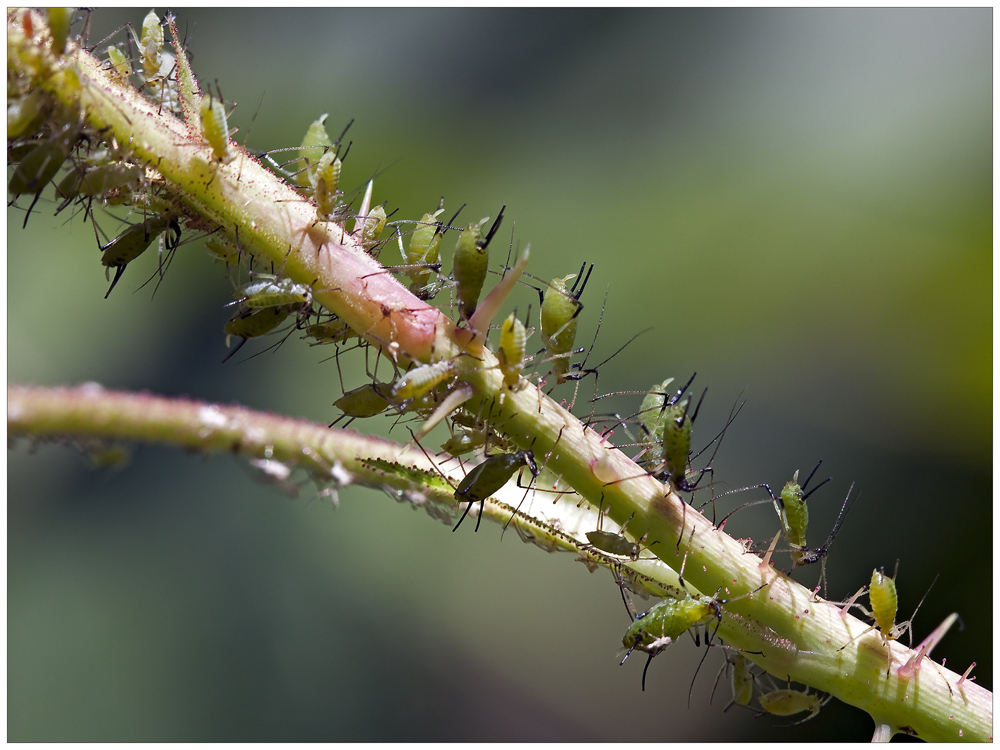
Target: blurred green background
(798, 201)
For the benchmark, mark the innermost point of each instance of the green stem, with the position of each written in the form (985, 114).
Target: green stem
(784, 628)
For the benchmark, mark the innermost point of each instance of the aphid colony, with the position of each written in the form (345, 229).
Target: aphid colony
(46, 138)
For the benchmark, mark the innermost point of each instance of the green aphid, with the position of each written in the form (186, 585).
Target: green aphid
(471, 263)
(665, 622)
(41, 164)
(273, 292)
(134, 241)
(424, 250)
(255, 323)
(488, 477)
(25, 113)
(364, 401)
(422, 378)
(741, 681)
(334, 331)
(651, 416)
(371, 230)
(788, 702)
(102, 179)
(559, 313)
(315, 143)
(510, 355)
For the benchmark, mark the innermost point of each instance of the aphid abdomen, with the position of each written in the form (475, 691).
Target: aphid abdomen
(670, 618)
(372, 228)
(40, 165)
(883, 599)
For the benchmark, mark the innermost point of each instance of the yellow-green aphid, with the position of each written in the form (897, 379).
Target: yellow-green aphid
(471, 263)
(490, 476)
(423, 378)
(372, 228)
(120, 65)
(513, 342)
(560, 309)
(214, 128)
(134, 241)
(665, 622)
(256, 323)
(59, 23)
(325, 181)
(424, 249)
(364, 401)
(788, 702)
(273, 292)
(315, 143)
(613, 543)
(25, 113)
(884, 601)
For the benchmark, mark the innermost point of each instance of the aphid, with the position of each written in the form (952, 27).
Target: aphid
(270, 471)
(663, 623)
(741, 681)
(423, 378)
(25, 113)
(372, 228)
(364, 401)
(883, 599)
(102, 179)
(612, 543)
(488, 477)
(119, 64)
(134, 241)
(248, 325)
(560, 309)
(41, 164)
(214, 127)
(651, 416)
(513, 341)
(223, 252)
(788, 702)
(333, 331)
(326, 178)
(151, 46)
(471, 263)
(316, 141)
(270, 291)
(424, 250)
